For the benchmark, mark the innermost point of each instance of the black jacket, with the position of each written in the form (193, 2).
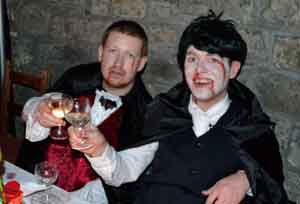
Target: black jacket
(249, 128)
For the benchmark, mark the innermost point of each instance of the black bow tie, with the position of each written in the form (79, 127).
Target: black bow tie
(107, 103)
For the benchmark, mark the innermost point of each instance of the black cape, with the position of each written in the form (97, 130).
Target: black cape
(250, 128)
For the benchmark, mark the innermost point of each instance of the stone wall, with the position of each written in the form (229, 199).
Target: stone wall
(63, 33)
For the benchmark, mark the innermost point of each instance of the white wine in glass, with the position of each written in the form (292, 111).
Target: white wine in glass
(59, 104)
(79, 116)
(78, 120)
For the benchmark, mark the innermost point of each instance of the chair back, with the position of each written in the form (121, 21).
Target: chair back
(10, 108)
(39, 83)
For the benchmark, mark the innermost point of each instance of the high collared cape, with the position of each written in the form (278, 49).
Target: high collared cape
(249, 127)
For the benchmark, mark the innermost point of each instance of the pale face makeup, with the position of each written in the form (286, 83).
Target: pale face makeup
(207, 76)
(121, 60)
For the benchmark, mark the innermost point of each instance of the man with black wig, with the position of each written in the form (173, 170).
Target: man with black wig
(117, 76)
(208, 139)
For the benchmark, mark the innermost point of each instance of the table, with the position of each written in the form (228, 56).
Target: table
(91, 193)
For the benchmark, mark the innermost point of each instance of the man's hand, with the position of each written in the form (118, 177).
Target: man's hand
(44, 116)
(229, 190)
(92, 139)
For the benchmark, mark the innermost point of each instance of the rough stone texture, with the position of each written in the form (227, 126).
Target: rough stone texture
(287, 53)
(292, 163)
(275, 96)
(100, 7)
(126, 8)
(283, 129)
(63, 33)
(161, 9)
(157, 75)
(281, 11)
(256, 45)
(277, 92)
(242, 11)
(193, 7)
(165, 38)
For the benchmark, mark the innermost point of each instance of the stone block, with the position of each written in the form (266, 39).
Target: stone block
(281, 12)
(161, 76)
(57, 28)
(295, 19)
(93, 30)
(194, 7)
(47, 54)
(126, 8)
(69, 8)
(293, 151)
(161, 9)
(277, 92)
(287, 53)
(242, 11)
(100, 7)
(32, 19)
(23, 52)
(162, 35)
(292, 185)
(255, 42)
(283, 129)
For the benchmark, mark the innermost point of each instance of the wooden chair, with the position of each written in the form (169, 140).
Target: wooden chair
(10, 109)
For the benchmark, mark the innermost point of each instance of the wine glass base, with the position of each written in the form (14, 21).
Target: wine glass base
(82, 147)
(58, 137)
(56, 134)
(45, 198)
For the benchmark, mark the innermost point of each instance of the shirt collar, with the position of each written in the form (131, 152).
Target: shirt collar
(203, 120)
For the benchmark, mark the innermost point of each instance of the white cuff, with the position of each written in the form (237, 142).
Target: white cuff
(34, 131)
(104, 159)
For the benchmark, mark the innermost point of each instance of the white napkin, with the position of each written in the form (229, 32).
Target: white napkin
(32, 187)
(92, 193)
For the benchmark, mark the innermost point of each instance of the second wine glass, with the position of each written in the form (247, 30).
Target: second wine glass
(79, 116)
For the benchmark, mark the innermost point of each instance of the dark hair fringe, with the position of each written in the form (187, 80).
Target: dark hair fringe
(213, 35)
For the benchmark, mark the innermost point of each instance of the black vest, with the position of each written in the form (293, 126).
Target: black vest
(184, 165)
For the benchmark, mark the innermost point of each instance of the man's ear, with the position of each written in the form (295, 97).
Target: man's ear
(235, 68)
(142, 63)
(100, 52)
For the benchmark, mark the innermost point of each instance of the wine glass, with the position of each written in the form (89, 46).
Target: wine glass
(47, 174)
(59, 104)
(79, 115)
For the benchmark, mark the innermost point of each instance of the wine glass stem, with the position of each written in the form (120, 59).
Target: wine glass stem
(59, 131)
(81, 133)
